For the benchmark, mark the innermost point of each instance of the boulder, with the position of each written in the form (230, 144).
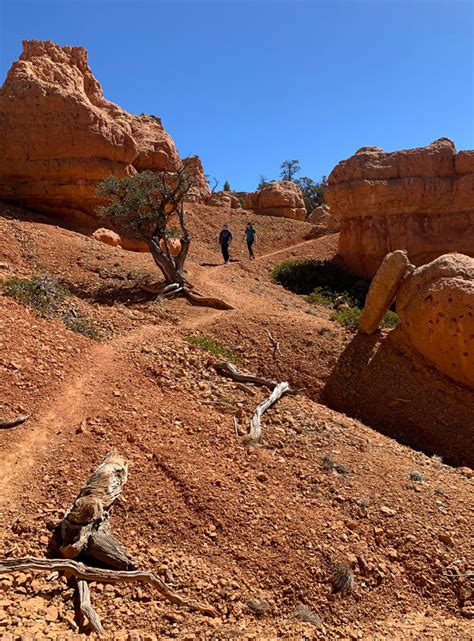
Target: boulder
(383, 289)
(420, 200)
(224, 199)
(324, 218)
(61, 137)
(281, 198)
(436, 309)
(108, 237)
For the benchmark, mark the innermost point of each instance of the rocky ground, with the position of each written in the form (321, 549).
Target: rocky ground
(254, 531)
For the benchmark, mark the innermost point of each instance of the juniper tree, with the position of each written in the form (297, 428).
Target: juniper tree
(227, 186)
(289, 168)
(147, 204)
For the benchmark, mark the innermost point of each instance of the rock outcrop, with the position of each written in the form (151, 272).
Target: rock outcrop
(224, 199)
(383, 289)
(200, 191)
(420, 200)
(107, 236)
(61, 137)
(436, 309)
(281, 198)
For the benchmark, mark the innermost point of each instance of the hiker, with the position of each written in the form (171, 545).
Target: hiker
(225, 239)
(251, 237)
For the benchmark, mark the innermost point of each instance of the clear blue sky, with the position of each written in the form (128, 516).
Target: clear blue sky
(246, 84)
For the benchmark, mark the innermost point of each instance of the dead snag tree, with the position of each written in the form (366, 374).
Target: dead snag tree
(151, 206)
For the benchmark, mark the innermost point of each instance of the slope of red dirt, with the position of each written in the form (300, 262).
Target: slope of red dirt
(234, 526)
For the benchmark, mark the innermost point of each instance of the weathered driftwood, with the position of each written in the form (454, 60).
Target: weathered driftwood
(226, 368)
(6, 424)
(276, 345)
(85, 533)
(85, 605)
(255, 433)
(86, 573)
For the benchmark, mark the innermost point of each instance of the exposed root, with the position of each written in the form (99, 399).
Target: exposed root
(255, 433)
(6, 424)
(205, 301)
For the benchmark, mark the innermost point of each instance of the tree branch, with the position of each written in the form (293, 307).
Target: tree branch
(102, 575)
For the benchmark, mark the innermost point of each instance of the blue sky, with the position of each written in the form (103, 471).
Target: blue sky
(246, 84)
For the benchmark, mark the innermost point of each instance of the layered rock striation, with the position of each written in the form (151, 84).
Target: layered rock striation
(61, 137)
(420, 200)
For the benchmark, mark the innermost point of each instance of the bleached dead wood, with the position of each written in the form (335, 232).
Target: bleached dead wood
(85, 532)
(255, 433)
(102, 575)
(6, 424)
(226, 368)
(276, 345)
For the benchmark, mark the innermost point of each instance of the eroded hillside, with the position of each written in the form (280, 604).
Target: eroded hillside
(254, 531)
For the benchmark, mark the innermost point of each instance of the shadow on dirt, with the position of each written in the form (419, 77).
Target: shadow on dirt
(110, 294)
(384, 383)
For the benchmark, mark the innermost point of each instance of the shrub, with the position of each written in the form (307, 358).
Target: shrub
(43, 293)
(416, 476)
(211, 345)
(48, 297)
(348, 317)
(304, 613)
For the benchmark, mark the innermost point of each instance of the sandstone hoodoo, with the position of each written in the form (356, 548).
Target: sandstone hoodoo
(281, 198)
(420, 200)
(436, 309)
(61, 137)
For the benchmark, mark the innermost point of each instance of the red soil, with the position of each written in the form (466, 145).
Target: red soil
(225, 523)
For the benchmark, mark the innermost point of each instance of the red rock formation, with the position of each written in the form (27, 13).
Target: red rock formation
(199, 192)
(281, 198)
(436, 309)
(224, 199)
(107, 236)
(61, 137)
(420, 200)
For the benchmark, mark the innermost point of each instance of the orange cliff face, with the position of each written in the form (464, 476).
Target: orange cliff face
(420, 200)
(61, 137)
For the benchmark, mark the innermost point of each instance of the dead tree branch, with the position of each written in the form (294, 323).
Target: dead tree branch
(255, 433)
(226, 368)
(86, 573)
(205, 301)
(276, 345)
(6, 424)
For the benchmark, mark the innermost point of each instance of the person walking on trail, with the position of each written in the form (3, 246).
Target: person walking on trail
(225, 239)
(251, 237)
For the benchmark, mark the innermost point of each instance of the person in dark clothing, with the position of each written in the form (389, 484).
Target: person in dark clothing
(251, 237)
(225, 239)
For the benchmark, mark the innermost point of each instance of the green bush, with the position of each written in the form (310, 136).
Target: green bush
(307, 276)
(211, 345)
(322, 282)
(48, 297)
(43, 293)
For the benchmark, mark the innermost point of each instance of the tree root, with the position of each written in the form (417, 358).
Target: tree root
(102, 575)
(6, 424)
(195, 298)
(226, 368)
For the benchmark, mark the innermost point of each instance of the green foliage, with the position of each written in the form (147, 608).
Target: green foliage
(348, 317)
(305, 276)
(313, 192)
(323, 282)
(211, 345)
(289, 169)
(143, 202)
(416, 476)
(49, 298)
(43, 293)
(226, 186)
(262, 183)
